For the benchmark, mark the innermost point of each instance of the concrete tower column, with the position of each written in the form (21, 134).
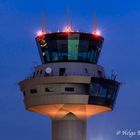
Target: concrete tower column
(69, 128)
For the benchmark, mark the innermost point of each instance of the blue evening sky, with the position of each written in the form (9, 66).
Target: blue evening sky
(119, 22)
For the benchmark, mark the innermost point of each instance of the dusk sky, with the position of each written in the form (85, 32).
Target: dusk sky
(119, 22)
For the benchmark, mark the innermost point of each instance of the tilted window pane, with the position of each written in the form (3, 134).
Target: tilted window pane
(62, 49)
(83, 50)
(73, 49)
(53, 50)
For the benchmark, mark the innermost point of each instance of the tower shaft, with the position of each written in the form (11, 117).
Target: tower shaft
(70, 127)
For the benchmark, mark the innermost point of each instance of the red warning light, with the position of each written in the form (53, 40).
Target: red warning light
(40, 33)
(97, 33)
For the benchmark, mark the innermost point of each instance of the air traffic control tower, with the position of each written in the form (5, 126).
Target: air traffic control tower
(69, 86)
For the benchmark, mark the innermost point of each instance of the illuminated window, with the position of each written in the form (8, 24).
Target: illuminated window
(69, 47)
(73, 49)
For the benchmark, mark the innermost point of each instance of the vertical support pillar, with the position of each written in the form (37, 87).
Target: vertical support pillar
(69, 128)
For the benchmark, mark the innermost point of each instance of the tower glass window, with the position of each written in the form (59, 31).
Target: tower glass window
(83, 50)
(104, 89)
(78, 47)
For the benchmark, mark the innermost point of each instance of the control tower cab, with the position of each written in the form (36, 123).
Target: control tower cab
(69, 86)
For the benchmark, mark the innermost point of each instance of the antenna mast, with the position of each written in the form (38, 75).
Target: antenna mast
(43, 26)
(95, 22)
(69, 20)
